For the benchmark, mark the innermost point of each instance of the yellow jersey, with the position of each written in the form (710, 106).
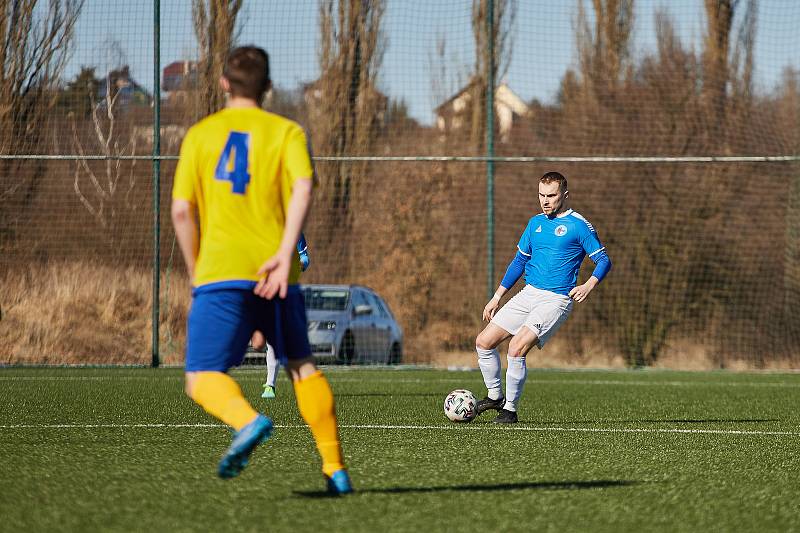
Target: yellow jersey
(238, 167)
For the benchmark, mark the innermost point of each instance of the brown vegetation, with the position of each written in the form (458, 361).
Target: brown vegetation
(346, 111)
(78, 312)
(682, 237)
(215, 29)
(705, 255)
(490, 61)
(34, 45)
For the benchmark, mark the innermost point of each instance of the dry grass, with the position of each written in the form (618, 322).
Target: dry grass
(83, 313)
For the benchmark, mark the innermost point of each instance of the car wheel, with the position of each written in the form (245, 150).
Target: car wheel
(396, 354)
(347, 350)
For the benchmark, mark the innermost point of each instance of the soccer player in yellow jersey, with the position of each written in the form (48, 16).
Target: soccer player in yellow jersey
(248, 175)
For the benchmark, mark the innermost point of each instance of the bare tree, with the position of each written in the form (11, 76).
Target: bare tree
(346, 109)
(103, 193)
(444, 81)
(787, 121)
(719, 14)
(501, 36)
(722, 68)
(604, 51)
(35, 42)
(673, 103)
(742, 60)
(215, 29)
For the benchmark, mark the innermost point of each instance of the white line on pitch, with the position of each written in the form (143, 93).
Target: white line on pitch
(595, 430)
(334, 380)
(109, 426)
(780, 384)
(542, 429)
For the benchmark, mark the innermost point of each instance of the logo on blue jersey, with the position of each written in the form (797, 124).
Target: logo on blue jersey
(538, 230)
(560, 231)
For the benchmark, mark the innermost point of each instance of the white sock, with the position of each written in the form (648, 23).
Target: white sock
(272, 367)
(489, 363)
(515, 381)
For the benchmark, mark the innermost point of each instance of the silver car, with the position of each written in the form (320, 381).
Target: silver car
(351, 324)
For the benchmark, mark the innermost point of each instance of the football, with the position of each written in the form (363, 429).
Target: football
(459, 406)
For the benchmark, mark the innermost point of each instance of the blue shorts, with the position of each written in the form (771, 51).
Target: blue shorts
(222, 320)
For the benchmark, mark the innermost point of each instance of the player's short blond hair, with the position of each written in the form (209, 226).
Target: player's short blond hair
(550, 177)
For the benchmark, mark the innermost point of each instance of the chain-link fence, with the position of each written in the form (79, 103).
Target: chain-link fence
(676, 125)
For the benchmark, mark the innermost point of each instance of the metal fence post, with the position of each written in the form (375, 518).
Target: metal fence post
(156, 178)
(490, 153)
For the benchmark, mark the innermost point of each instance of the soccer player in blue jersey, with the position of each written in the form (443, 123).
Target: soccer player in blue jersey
(549, 254)
(241, 194)
(259, 343)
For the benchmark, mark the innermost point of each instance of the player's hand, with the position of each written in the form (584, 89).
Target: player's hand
(274, 276)
(491, 309)
(580, 292)
(304, 262)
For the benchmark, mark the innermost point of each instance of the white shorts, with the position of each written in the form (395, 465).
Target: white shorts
(540, 311)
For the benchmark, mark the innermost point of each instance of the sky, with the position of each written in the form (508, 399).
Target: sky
(114, 32)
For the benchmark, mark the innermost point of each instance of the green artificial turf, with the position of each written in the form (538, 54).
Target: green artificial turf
(125, 450)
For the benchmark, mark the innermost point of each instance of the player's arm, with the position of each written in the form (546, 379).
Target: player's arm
(185, 224)
(602, 265)
(183, 204)
(514, 271)
(275, 272)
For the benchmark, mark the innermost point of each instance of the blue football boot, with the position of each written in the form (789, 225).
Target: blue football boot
(244, 442)
(339, 483)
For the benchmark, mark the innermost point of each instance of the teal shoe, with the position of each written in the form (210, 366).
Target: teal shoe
(269, 392)
(339, 483)
(244, 442)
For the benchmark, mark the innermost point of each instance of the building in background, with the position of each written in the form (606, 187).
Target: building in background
(122, 89)
(509, 108)
(178, 78)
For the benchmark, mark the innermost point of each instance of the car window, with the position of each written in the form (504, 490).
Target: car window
(326, 299)
(377, 304)
(386, 309)
(358, 298)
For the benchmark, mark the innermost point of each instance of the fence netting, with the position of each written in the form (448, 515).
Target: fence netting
(677, 125)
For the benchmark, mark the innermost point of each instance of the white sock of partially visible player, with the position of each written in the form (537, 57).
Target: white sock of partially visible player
(272, 366)
(489, 363)
(515, 381)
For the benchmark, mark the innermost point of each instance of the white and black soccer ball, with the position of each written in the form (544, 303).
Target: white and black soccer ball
(459, 406)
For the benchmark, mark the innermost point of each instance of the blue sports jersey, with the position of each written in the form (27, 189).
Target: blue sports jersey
(555, 248)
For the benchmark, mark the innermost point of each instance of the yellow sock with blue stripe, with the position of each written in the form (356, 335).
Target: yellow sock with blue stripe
(221, 397)
(315, 401)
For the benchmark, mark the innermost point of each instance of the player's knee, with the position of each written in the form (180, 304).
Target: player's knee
(484, 341)
(258, 341)
(479, 344)
(301, 368)
(519, 348)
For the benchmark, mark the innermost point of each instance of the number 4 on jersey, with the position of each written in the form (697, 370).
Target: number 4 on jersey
(237, 144)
